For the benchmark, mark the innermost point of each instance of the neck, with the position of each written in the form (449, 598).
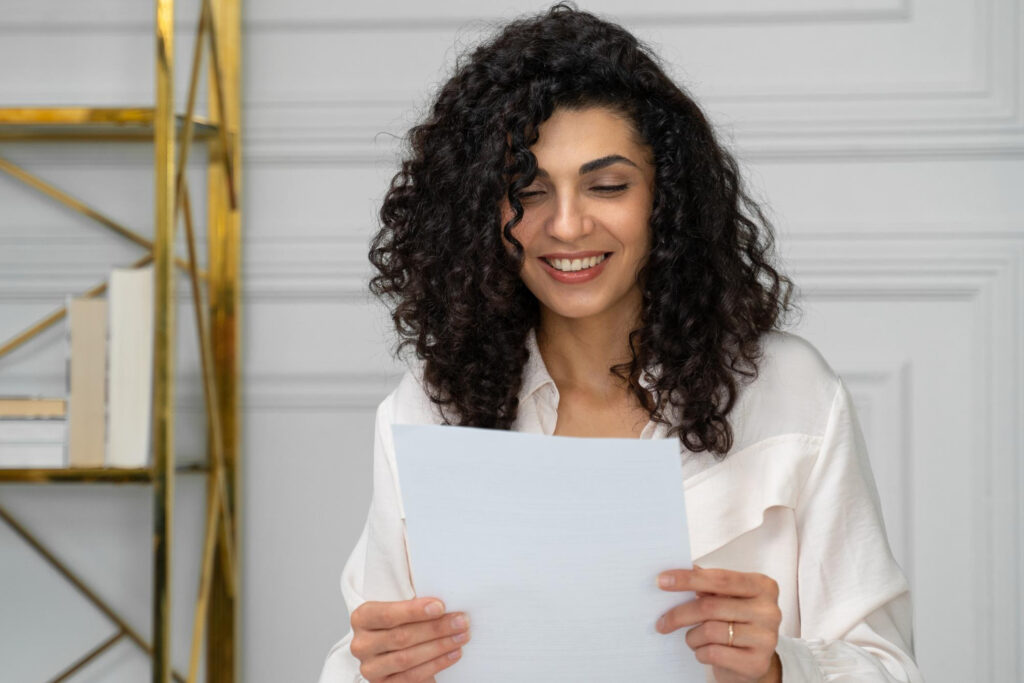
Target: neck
(578, 352)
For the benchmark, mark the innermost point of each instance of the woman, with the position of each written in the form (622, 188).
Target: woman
(566, 250)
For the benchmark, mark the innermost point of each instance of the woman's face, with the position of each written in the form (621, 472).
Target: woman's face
(585, 228)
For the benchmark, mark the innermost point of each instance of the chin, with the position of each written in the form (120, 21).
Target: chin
(568, 309)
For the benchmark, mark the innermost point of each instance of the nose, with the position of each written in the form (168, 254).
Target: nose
(569, 222)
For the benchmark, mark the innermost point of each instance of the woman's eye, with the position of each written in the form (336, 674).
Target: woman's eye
(601, 189)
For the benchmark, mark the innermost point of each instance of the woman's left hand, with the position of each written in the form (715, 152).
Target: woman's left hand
(746, 600)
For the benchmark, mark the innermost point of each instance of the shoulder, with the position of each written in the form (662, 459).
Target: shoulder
(792, 393)
(409, 402)
(793, 359)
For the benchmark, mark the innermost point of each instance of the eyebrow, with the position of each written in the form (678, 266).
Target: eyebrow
(596, 164)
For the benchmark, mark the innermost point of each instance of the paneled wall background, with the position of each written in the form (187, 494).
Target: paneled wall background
(885, 137)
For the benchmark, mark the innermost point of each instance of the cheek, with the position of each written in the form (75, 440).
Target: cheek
(523, 231)
(640, 227)
(506, 214)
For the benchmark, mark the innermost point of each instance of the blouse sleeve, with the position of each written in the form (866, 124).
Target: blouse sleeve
(377, 568)
(855, 609)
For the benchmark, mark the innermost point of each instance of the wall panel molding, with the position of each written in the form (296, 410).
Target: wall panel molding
(923, 263)
(407, 15)
(267, 391)
(990, 275)
(932, 115)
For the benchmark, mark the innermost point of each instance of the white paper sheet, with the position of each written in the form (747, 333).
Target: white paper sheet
(552, 546)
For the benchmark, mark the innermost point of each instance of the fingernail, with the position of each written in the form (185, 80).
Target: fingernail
(666, 580)
(459, 622)
(661, 623)
(434, 608)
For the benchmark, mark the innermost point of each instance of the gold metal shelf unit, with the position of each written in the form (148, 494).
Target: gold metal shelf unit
(217, 324)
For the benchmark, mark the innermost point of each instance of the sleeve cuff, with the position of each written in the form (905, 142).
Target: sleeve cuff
(799, 664)
(340, 666)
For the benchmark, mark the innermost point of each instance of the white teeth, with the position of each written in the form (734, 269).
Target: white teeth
(568, 266)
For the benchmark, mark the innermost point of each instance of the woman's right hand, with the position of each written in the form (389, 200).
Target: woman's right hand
(401, 642)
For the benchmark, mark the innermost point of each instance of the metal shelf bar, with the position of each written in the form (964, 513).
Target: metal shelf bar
(79, 584)
(128, 124)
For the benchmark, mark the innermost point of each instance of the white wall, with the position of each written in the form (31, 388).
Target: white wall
(886, 138)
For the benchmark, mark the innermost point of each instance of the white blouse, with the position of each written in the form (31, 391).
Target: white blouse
(794, 499)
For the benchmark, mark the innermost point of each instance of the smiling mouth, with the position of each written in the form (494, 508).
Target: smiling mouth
(573, 265)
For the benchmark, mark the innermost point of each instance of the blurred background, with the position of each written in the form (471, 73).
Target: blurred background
(885, 139)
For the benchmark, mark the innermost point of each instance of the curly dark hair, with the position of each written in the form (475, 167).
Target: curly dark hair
(454, 290)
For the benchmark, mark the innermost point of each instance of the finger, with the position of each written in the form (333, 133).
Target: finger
(717, 633)
(407, 635)
(378, 615)
(403, 661)
(712, 607)
(720, 581)
(744, 662)
(426, 671)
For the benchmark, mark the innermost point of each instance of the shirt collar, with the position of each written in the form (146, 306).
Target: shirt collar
(536, 375)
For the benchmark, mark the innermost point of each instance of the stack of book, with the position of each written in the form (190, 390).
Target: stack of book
(104, 418)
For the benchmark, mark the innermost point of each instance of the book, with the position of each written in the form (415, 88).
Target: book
(26, 407)
(130, 295)
(86, 335)
(32, 442)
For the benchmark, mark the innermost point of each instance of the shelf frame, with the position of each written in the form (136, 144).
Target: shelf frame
(87, 124)
(85, 475)
(124, 629)
(218, 33)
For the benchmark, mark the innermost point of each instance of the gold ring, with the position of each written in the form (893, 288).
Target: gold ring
(731, 633)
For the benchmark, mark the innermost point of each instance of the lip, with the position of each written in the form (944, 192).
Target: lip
(578, 276)
(577, 254)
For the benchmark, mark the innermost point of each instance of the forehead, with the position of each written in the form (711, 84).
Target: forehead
(571, 135)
